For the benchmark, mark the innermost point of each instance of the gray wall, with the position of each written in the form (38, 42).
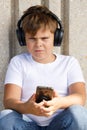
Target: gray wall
(73, 14)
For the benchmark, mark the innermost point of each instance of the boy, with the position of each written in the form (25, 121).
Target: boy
(38, 29)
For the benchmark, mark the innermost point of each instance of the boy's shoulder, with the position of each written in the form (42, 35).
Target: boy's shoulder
(65, 57)
(23, 57)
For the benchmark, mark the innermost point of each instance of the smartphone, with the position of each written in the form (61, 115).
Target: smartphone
(43, 93)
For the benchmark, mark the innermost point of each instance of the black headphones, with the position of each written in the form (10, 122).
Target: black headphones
(58, 36)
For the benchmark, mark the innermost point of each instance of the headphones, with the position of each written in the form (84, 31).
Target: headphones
(58, 35)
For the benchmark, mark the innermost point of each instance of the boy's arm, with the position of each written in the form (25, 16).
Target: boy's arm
(12, 96)
(77, 96)
(78, 90)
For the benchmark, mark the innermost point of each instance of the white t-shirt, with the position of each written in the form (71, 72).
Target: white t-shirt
(28, 74)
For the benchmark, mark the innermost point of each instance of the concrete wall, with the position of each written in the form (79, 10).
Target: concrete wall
(73, 14)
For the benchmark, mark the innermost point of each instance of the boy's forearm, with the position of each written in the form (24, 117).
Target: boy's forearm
(72, 100)
(16, 105)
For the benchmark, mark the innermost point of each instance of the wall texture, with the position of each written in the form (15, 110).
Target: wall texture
(73, 14)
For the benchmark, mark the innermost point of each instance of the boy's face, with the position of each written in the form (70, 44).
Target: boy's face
(40, 46)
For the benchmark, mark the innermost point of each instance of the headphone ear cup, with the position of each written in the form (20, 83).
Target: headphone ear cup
(58, 36)
(21, 37)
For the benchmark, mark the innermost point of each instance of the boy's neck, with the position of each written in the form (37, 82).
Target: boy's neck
(49, 59)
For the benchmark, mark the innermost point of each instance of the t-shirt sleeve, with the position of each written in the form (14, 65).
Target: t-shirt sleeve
(14, 72)
(75, 72)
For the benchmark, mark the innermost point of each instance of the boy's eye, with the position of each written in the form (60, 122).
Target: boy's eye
(44, 38)
(32, 39)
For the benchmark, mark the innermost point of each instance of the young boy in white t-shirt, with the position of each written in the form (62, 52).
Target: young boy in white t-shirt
(40, 30)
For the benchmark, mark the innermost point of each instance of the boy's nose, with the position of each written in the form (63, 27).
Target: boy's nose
(38, 42)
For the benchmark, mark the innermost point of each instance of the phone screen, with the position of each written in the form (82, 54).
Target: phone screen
(43, 93)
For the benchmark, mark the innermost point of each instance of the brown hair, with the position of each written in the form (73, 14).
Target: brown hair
(38, 17)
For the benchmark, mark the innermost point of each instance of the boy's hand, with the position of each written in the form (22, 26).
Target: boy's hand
(32, 107)
(49, 107)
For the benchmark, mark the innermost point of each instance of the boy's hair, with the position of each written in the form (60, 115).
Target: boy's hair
(38, 17)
